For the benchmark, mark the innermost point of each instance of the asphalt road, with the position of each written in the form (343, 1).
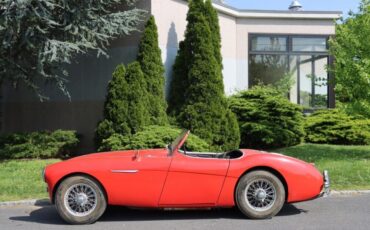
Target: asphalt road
(335, 212)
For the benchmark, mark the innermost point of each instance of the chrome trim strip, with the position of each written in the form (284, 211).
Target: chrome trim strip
(125, 171)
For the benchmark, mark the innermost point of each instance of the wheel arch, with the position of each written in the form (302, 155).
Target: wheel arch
(78, 174)
(270, 170)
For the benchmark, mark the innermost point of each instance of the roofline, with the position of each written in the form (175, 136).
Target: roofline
(280, 14)
(229, 10)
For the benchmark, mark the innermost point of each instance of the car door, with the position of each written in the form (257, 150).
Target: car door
(138, 179)
(193, 181)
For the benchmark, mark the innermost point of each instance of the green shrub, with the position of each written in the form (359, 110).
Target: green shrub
(267, 119)
(57, 144)
(152, 137)
(336, 127)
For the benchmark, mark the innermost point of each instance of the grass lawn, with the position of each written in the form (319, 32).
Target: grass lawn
(21, 179)
(349, 166)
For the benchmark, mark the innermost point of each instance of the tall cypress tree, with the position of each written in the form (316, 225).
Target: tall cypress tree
(204, 109)
(125, 108)
(178, 83)
(137, 98)
(149, 57)
(212, 19)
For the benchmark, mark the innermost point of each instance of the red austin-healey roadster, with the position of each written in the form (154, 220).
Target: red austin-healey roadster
(258, 183)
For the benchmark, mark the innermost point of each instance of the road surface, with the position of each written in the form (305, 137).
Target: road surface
(335, 212)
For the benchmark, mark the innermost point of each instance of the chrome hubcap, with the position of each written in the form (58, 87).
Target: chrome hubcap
(80, 200)
(260, 195)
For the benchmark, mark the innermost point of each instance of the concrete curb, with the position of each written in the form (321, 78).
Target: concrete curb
(349, 192)
(33, 202)
(45, 202)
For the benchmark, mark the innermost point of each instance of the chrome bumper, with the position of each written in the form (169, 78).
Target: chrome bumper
(326, 189)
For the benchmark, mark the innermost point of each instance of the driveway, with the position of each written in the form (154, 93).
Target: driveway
(335, 212)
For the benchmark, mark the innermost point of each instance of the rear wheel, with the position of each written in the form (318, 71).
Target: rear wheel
(260, 195)
(80, 200)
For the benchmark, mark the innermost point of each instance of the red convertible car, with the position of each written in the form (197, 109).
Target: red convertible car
(258, 183)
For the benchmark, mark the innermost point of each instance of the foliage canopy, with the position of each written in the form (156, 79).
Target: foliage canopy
(351, 50)
(38, 37)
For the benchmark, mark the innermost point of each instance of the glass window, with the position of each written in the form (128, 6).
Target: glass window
(309, 44)
(267, 69)
(272, 57)
(269, 43)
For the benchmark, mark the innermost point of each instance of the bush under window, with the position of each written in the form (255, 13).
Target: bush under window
(336, 127)
(267, 119)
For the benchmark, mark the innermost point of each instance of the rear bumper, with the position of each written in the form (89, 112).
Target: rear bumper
(326, 188)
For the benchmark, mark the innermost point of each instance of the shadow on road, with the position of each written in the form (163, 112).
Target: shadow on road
(47, 214)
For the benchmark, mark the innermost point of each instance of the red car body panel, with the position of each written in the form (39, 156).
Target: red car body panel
(190, 182)
(153, 178)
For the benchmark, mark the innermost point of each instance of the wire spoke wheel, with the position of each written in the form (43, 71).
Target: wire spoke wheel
(80, 200)
(260, 194)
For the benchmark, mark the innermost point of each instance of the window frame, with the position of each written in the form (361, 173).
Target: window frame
(289, 52)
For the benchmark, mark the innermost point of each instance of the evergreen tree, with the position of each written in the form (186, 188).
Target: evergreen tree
(125, 109)
(178, 83)
(212, 19)
(136, 96)
(204, 109)
(151, 63)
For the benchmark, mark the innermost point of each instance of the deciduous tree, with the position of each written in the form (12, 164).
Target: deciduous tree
(351, 49)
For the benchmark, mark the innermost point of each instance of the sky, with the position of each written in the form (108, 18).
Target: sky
(337, 5)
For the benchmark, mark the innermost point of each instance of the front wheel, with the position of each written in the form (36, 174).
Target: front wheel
(260, 195)
(80, 200)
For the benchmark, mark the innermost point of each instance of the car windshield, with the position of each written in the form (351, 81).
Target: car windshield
(176, 142)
